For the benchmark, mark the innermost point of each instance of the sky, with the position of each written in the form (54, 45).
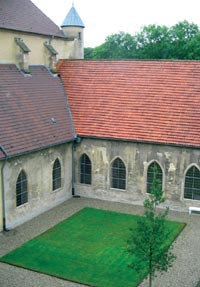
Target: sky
(105, 17)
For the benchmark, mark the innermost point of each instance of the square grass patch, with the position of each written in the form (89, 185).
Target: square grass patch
(89, 248)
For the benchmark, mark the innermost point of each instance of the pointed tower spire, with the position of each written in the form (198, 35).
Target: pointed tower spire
(72, 19)
(73, 27)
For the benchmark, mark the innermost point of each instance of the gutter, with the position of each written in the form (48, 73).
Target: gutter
(3, 189)
(73, 170)
(36, 149)
(140, 141)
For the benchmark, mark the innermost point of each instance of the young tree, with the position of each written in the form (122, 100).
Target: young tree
(146, 242)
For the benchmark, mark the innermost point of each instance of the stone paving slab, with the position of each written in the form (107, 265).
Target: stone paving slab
(184, 273)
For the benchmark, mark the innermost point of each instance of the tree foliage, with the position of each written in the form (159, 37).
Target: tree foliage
(116, 46)
(181, 41)
(146, 241)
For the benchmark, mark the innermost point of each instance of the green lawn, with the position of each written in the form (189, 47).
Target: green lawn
(89, 247)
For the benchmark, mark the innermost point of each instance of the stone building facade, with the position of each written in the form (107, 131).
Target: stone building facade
(36, 130)
(38, 167)
(97, 129)
(174, 162)
(31, 38)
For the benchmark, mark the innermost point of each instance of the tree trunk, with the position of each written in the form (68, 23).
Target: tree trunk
(150, 275)
(150, 279)
(150, 264)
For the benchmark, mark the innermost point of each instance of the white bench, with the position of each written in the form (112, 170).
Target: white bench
(193, 208)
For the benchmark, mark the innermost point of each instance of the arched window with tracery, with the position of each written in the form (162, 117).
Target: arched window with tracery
(192, 184)
(21, 189)
(118, 174)
(85, 169)
(154, 172)
(56, 175)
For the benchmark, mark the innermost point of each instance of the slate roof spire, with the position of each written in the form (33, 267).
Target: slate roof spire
(73, 19)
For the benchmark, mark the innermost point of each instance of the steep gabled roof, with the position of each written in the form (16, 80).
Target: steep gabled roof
(33, 110)
(23, 15)
(149, 101)
(73, 19)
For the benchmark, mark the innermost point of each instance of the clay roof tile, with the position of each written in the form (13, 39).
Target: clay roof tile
(34, 111)
(150, 101)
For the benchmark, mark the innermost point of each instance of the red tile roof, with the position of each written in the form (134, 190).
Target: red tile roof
(150, 101)
(23, 15)
(28, 105)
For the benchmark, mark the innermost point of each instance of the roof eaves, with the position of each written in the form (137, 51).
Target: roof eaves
(4, 152)
(39, 149)
(35, 33)
(140, 141)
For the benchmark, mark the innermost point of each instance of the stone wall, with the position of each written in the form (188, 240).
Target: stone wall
(38, 168)
(174, 162)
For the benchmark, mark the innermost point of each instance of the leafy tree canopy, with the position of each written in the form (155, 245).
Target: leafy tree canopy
(181, 41)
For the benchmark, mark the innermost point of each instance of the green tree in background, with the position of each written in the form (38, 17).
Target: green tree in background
(153, 42)
(116, 46)
(181, 41)
(145, 244)
(183, 38)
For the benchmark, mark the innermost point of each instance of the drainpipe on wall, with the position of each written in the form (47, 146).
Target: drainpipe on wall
(73, 169)
(3, 191)
(74, 144)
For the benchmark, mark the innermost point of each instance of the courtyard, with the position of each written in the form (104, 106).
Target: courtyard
(185, 271)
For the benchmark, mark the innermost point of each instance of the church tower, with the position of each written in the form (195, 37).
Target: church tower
(73, 28)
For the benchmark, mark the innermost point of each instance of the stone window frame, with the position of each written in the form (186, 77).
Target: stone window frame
(163, 174)
(21, 188)
(184, 181)
(85, 169)
(56, 175)
(111, 174)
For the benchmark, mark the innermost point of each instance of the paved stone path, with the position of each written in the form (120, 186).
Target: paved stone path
(184, 273)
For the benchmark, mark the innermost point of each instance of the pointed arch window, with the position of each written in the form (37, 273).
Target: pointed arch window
(56, 176)
(85, 169)
(21, 189)
(154, 172)
(192, 184)
(118, 174)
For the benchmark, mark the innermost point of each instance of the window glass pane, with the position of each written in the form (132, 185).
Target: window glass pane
(56, 179)
(85, 170)
(192, 184)
(122, 184)
(188, 193)
(21, 189)
(115, 183)
(118, 174)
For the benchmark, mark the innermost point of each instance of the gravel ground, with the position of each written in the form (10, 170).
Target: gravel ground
(184, 273)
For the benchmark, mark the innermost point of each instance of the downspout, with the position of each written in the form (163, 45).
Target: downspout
(74, 144)
(3, 189)
(73, 169)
